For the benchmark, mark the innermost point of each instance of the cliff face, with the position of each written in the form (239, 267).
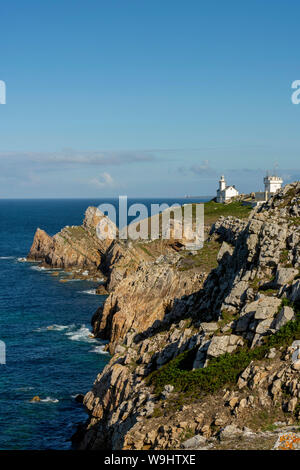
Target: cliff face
(176, 309)
(143, 299)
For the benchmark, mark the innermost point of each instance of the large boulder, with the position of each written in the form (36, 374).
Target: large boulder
(285, 315)
(221, 344)
(285, 276)
(263, 308)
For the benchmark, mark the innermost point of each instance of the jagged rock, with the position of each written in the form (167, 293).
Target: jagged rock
(296, 355)
(220, 419)
(79, 398)
(287, 441)
(147, 327)
(194, 442)
(237, 294)
(225, 249)
(76, 246)
(35, 399)
(292, 404)
(209, 327)
(222, 344)
(101, 290)
(264, 308)
(263, 326)
(285, 276)
(168, 389)
(262, 311)
(233, 402)
(41, 246)
(295, 291)
(272, 353)
(228, 228)
(230, 431)
(143, 299)
(286, 314)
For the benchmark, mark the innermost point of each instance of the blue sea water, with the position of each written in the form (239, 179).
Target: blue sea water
(45, 325)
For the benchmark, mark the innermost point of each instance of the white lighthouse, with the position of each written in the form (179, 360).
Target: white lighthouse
(222, 183)
(224, 193)
(272, 184)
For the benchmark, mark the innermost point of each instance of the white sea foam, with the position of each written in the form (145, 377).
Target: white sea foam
(39, 268)
(45, 400)
(6, 257)
(89, 291)
(22, 260)
(59, 327)
(81, 334)
(50, 400)
(99, 350)
(73, 332)
(54, 328)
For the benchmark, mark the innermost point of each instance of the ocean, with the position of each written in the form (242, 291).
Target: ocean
(45, 325)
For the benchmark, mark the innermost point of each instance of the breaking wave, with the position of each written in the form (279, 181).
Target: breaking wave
(99, 350)
(89, 291)
(81, 334)
(54, 328)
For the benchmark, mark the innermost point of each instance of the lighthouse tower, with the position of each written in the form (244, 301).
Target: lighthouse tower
(272, 184)
(222, 183)
(225, 193)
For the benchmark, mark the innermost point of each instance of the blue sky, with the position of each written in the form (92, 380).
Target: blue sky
(147, 98)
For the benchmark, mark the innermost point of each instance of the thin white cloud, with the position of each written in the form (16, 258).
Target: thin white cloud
(203, 169)
(75, 157)
(105, 181)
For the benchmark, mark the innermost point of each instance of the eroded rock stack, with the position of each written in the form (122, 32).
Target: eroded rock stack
(76, 246)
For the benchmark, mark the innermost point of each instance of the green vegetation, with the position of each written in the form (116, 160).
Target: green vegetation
(226, 317)
(294, 221)
(205, 259)
(214, 210)
(284, 256)
(145, 250)
(255, 284)
(186, 434)
(77, 232)
(157, 413)
(267, 290)
(292, 192)
(221, 371)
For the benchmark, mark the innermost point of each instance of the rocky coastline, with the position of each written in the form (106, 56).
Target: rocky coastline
(205, 346)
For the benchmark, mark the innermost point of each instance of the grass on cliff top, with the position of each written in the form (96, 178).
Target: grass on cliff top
(221, 371)
(205, 260)
(214, 210)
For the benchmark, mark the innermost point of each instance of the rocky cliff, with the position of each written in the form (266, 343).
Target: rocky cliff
(203, 344)
(76, 246)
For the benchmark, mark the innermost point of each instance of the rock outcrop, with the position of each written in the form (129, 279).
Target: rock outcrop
(142, 300)
(76, 246)
(158, 310)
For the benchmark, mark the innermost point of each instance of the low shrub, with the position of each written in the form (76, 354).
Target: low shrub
(223, 370)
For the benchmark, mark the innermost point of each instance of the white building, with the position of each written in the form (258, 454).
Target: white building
(224, 193)
(272, 184)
